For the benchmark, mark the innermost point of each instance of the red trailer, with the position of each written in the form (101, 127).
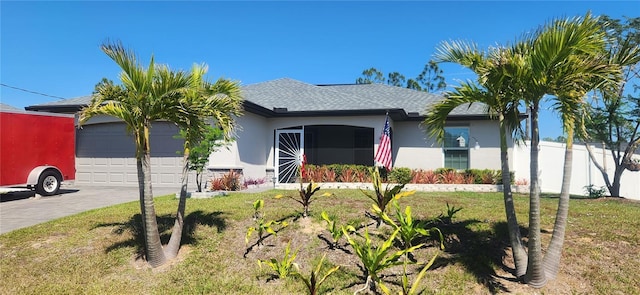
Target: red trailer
(37, 150)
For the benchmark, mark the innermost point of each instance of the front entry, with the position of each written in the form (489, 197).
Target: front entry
(289, 151)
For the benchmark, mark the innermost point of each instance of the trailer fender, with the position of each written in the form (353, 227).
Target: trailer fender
(45, 179)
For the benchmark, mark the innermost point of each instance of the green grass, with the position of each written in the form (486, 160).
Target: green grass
(96, 252)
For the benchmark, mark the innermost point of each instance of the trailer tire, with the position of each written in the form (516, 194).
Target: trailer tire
(48, 183)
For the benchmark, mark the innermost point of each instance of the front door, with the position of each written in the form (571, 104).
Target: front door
(289, 151)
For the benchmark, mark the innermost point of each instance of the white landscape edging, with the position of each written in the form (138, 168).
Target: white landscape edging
(521, 189)
(203, 195)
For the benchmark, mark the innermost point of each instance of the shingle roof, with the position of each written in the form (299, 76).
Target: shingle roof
(4, 106)
(76, 101)
(412, 101)
(297, 96)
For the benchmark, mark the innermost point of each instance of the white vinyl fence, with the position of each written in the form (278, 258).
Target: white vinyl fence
(584, 172)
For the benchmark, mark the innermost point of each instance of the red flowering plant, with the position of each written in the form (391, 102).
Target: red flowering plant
(307, 192)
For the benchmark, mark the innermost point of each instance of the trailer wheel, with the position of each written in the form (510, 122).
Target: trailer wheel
(48, 183)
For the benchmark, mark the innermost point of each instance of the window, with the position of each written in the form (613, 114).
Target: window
(456, 147)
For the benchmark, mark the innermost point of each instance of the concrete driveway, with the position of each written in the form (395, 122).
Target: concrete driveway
(18, 210)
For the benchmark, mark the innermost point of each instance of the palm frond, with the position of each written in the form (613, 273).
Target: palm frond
(465, 94)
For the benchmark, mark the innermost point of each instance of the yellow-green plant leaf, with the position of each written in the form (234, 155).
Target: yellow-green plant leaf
(404, 194)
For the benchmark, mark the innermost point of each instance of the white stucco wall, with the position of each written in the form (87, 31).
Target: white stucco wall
(250, 149)
(253, 150)
(414, 148)
(487, 134)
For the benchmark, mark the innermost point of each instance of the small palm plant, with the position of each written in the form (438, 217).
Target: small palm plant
(451, 212)
(383, 197)
(305, 194)
(312, 282)
(284, 267)
(336, 232)
(262, 226)
(374, 259)
(408, 228)
(414, 287)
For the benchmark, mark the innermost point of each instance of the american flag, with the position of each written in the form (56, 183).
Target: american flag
(383, 155)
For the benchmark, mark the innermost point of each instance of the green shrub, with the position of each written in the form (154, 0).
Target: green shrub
(441, 171)
(594, 191)
(483, 176)
(400, 175)
(499, 179)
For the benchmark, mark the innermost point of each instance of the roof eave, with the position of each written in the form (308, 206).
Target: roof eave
(56, 108)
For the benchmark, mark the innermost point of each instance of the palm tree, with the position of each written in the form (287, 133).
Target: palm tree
(579, 75)
(497, 72)
(555, 46)
(221, 102)
(148, 95)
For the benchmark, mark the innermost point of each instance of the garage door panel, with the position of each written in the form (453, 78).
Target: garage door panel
(116, 178)
(100, 178)
(105, 155)
(83, 177)
(117, 162)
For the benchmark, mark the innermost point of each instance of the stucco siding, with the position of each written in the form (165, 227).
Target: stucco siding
(486, 134)
(249, 151)
(413, 148)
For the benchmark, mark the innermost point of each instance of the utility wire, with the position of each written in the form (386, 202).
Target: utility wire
(34, 92)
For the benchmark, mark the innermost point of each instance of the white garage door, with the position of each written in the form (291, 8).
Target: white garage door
(105, 155)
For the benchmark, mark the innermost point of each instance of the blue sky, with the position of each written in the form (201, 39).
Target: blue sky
(52, 47)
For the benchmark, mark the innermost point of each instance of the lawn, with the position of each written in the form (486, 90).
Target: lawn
(98, 252)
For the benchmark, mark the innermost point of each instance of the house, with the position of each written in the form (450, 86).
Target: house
(284, 118)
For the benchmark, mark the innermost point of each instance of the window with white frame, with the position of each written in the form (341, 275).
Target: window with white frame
(456, 147)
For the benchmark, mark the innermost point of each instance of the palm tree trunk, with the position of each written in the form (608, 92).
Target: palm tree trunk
(517, 248)
(171, 251)
(551, 259)
(535, 275)
(155, 254)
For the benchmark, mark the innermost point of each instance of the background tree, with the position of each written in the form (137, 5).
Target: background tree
(212, 140)
(431, 79)
(396, 79)
(614, 113)
(371, 76)
(560, 138)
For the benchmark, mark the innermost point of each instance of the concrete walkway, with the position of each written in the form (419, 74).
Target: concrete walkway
(23, 209)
